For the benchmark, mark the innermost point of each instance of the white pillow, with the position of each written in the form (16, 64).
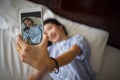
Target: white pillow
(97, 38)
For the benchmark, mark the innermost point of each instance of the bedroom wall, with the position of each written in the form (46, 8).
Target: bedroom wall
(103, 14)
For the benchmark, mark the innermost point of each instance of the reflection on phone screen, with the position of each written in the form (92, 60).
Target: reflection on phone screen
(31, 27)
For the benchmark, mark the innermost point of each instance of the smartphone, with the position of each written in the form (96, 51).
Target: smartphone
(31, 25)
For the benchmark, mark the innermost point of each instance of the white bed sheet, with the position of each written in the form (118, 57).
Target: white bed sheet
(111, 64)
(11, 68)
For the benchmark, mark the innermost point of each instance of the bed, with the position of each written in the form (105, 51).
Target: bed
(104, 55)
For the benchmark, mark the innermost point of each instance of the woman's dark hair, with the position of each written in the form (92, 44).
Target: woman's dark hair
(54, 21)
(26, 18)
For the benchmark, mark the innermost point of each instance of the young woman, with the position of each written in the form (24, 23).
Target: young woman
(69, 56)
(32, 32)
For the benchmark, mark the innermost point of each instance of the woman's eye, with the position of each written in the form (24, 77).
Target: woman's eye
(49, 28)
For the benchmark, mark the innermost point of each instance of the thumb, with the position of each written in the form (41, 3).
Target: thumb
(44, 40)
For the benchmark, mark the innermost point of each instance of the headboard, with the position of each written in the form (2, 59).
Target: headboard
(101, 14)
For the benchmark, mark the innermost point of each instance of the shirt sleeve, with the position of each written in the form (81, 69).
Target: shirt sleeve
(84, 46)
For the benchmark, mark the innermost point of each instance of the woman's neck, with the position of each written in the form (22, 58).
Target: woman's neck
(65, 37)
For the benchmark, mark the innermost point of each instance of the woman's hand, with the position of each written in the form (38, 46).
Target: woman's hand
(34, 55)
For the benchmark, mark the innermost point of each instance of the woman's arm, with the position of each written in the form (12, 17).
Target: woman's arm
(37, 55)
(68, 56)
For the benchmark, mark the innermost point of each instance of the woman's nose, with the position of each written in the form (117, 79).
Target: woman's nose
(50, 34)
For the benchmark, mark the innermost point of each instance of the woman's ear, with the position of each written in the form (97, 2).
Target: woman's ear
(61, 27)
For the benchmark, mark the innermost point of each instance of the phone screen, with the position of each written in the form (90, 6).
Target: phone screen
(31, 26)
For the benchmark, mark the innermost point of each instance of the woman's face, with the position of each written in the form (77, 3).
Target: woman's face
(28, 23)
(54, 32)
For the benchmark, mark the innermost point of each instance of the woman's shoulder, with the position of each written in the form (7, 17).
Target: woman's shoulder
(77, 36)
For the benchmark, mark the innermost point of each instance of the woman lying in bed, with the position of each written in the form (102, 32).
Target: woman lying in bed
(67, 58)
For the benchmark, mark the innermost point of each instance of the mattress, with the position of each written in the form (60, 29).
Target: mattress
(110, 66)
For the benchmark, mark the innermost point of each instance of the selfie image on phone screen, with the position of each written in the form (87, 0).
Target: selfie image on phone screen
(31, 27)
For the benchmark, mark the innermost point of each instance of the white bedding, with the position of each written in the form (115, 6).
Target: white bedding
(111, 65)
(11, 68)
